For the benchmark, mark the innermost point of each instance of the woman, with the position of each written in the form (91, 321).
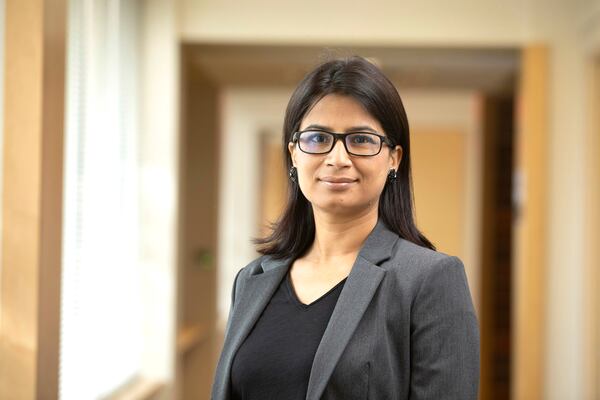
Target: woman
(349, 300)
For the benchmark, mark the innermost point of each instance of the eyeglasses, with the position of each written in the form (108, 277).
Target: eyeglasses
(356, 143)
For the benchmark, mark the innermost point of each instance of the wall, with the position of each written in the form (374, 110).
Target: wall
(457, 120)
(246, 113)
(158, 185)
(565, 308)
(486, 22)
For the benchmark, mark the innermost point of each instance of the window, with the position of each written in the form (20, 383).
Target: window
(101, 295)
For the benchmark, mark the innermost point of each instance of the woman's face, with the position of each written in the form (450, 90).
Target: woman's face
(366, 176)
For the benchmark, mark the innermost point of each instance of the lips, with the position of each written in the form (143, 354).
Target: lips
(337, 183)
(338, 179)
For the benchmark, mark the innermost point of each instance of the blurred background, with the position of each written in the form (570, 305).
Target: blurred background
(140, 148)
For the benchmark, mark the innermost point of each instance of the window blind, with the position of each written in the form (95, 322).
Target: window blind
(101, 323)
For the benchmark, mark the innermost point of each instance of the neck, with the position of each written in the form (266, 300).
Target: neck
(337, 237)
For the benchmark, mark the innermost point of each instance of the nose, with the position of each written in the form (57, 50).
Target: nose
(338, 156)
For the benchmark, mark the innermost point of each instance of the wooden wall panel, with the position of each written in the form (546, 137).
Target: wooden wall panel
(274, 182)
(438, 157)
(32, 203)
(496, 247)
(530, 225)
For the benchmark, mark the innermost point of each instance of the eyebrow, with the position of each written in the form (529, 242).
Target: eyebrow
(360, 128)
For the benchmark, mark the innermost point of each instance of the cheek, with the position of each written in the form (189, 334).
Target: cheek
(376, 184)
(306, 175)
(375, 176)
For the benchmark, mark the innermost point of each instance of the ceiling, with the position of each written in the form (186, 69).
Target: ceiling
(491, 70)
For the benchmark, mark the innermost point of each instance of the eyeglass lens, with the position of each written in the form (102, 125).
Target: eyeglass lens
(362, 143)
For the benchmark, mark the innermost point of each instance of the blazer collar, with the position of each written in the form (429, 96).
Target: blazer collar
(361, 284)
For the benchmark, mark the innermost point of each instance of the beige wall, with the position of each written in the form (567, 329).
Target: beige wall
(438, 158)
(485, 22)
(569, 29)
(446, 150)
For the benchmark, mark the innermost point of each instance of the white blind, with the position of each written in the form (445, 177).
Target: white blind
(101, 306)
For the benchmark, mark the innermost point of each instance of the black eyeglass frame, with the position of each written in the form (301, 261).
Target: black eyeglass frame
(342, 137)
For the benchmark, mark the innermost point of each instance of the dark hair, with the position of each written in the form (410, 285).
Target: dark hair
(354, 76)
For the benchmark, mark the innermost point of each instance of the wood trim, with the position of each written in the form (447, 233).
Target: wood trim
(191, 336)
(530, 230)
(273, 182)
(592, 281)
(139, 388)
(496, 287)
(32, 202)
(199, 209)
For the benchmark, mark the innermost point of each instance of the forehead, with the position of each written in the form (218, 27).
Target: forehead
(339, 113)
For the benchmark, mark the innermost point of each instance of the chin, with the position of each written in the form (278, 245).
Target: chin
(338, 207)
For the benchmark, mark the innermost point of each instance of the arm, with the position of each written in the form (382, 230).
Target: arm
(444, 336)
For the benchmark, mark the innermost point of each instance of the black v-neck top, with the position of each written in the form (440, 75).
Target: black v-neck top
(275, 359)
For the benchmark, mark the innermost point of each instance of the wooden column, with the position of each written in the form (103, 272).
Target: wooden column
(592, 283)
(530, 228)
(32, 198)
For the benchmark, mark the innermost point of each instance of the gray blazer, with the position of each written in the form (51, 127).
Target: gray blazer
(403, 327)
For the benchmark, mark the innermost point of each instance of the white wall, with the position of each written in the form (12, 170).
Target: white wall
(560, 25)
(159, 159)
(246, 114)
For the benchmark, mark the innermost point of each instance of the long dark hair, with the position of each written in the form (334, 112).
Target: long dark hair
(294, 232)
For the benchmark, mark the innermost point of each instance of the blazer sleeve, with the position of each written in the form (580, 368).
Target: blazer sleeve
(444, 336)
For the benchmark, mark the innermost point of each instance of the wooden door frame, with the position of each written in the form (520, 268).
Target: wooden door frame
(530, 227)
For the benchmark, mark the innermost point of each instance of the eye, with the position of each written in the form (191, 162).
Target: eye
(317, 137)
(363, 139)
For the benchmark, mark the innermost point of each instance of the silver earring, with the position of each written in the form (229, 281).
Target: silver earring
(293, 174)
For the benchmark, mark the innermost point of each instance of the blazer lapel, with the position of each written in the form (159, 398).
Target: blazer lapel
(363, 280)
(258, 288)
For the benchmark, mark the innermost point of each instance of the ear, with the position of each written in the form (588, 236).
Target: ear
(395, 157)
(292, 150)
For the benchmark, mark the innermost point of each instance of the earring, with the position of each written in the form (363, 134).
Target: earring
(293, 174)
(392, 175)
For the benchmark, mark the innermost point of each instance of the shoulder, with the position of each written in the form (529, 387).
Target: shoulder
(250, 268)
(436, 281)
(408, 252)
(246, 271)
(417, 266)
